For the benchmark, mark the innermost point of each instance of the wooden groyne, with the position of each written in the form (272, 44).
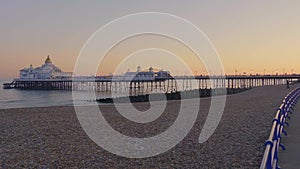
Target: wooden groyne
(173, 95)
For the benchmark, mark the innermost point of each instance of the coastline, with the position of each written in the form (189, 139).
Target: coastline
(51, 137)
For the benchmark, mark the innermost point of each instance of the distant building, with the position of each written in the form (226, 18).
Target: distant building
(151, 74)
(47, 71)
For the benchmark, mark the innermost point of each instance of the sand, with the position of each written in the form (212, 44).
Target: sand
(52, 137)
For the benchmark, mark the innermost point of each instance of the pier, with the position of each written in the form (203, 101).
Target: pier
(165, 84)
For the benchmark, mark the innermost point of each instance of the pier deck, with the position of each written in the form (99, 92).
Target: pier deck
(290, 158)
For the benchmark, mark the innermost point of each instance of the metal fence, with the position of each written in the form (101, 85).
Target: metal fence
(270, 158)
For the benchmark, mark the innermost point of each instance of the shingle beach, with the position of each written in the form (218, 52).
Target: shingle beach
(52, 137)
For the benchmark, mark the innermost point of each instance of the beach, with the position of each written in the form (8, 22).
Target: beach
(51, 137)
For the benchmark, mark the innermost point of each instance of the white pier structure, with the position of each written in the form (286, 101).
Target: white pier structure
(47, 71)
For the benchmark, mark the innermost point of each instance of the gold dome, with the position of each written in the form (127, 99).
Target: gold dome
(48, 60)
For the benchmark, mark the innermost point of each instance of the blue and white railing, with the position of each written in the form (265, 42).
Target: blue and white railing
(270, 158)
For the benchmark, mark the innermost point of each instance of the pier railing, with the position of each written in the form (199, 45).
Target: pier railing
(270, 158)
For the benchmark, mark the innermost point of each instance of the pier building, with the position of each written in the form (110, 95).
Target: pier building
(47, 71)
(146, 75)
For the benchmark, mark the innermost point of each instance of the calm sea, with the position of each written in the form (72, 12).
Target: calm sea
(15, 98)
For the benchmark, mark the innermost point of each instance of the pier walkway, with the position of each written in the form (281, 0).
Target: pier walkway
(290, 159)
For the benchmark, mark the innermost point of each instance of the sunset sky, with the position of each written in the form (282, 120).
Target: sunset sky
(249, 36)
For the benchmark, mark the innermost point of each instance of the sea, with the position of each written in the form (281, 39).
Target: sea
(16, 98)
